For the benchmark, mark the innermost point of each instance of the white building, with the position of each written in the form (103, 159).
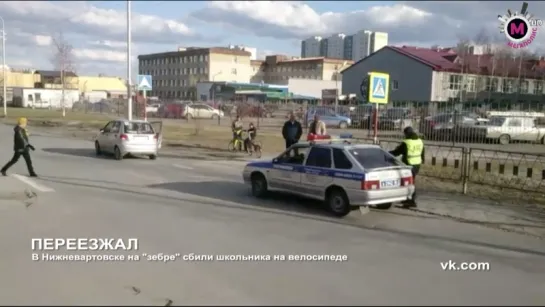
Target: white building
(252, 51)
(379, 40)
(335, 46)
(310, 47)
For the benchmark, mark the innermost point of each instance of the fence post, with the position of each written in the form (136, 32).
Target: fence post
(466, 167)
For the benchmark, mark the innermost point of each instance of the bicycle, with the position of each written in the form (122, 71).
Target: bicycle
(237, 143)
(255, 147)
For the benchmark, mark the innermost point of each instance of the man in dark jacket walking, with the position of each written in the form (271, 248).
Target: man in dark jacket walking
(412, 150)
(292, 131)
(20, 148)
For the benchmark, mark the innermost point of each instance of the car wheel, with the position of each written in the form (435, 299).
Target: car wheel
(337, 202)
(97, 149)
(153, 157)
(504, 139)
(259, 185)
(117, 154)
(385, 206)
(343, 125)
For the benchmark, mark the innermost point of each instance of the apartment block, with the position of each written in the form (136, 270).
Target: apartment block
(278, 69)
(335, 46)
(175, 74)
(349, 47)
(311, 47)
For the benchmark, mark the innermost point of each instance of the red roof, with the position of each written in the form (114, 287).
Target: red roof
(446, 59)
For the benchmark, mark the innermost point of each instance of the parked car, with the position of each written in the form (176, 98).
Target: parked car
(440, 127)
(172, 110)
(152, 108)
(362, 115)
(329, 117)
(201, 110)
(506, 129)
(395, 119)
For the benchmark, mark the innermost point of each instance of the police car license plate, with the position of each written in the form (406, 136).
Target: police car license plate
(390, 183)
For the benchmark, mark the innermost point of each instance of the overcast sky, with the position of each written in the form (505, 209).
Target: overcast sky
(97, 30)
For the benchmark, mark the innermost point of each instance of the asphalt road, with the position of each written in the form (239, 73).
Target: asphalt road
(175, 205)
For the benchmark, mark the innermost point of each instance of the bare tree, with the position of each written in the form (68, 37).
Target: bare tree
(462, 51)
(481, 39)
(63, 61)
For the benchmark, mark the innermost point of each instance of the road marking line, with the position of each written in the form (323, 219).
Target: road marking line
(181, 166)
(31, 183)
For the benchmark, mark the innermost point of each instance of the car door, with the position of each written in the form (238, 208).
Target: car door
(103, 137)
(158, 129)
(328, 117)
(531, 133)
(114, 135)
(514, 128)
(286, 171)
(317, 173)
(200, 111)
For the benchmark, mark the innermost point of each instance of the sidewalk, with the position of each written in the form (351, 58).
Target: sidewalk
(527, 219)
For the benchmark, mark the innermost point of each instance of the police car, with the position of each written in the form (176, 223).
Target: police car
(338, 171)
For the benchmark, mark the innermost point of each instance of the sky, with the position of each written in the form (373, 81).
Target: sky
(97, 30)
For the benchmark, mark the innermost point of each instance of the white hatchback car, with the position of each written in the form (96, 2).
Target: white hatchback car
(124, 137)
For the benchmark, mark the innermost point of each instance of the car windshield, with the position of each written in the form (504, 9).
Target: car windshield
(138, 128)
(371, 158)
(496, 121)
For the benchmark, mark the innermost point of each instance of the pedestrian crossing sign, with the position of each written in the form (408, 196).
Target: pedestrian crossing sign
(144, 82)
(378, 87)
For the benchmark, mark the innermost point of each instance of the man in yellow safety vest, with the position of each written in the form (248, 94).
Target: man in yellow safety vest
(412, 150)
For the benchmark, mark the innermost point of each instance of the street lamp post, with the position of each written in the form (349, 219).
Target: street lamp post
(129, 82)
(337, 69)
(4, 81)
(214, 92)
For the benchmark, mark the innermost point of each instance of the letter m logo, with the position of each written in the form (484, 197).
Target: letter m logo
(516, 28)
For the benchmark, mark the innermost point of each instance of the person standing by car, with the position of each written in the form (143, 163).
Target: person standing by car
(317, 126)
(292, 131)
(20, 147)
(236, 127)
(412, 150)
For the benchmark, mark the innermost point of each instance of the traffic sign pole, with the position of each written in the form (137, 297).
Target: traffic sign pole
(145, 106)
(379, 85)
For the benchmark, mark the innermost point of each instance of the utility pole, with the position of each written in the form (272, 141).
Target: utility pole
(4, 79)
(63, 60)
(129, 82)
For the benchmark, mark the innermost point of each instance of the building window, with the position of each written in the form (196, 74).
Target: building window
(206, 57)
(524, 86)
(455, 82)
(538, 87)
(470, 85)
(491, 84)
(395, 85)
(507, 86)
